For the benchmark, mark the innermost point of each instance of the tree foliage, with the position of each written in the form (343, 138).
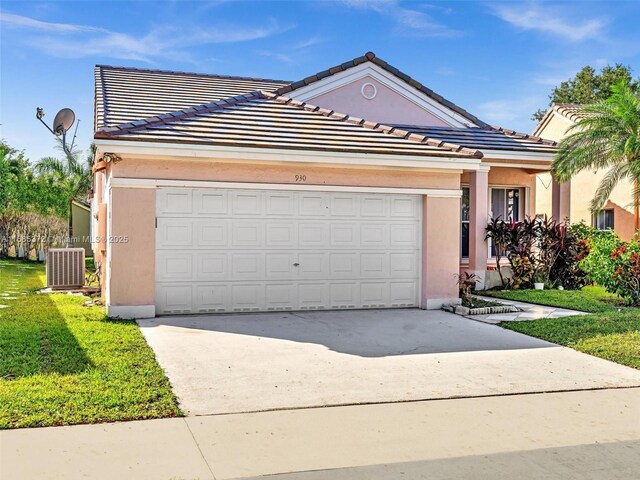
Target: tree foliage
(606, 138)
(589, 86)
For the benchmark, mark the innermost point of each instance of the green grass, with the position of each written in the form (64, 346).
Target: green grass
(63, 363)
(590, 299)
(611, 332)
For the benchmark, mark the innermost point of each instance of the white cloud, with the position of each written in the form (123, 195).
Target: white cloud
(74, 41)
(507, 111)
(408, 22)
(550, 20)
(445, 71)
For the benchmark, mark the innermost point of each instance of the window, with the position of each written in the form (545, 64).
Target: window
(464, 215)
(603, 220)
(505, 204)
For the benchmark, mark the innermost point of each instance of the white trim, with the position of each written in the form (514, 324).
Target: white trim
(533, 166)
(369, 84)
(107, 290)
(131, 311)
(191, 152)
(391, 81)
(515, 155)
(118, 182)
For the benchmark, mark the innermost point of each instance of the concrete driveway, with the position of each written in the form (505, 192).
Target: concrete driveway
(254, 362)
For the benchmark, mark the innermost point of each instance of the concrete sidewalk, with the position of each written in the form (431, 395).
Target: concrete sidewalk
(572, 435)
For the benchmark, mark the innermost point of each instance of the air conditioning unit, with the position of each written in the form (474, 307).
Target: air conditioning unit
(65, 267)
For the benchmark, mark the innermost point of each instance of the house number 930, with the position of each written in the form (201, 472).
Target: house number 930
(301, 178)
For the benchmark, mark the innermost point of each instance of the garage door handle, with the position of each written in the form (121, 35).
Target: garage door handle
(296, 264)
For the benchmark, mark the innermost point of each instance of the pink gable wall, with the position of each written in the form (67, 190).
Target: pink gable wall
(387, 106)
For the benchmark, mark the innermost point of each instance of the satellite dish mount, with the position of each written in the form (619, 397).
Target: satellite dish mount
(62, 122)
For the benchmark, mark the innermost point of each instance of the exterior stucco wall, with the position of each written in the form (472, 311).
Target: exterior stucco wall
(132, 263)
(276, 173)
(387, 106)
(583, 188)
(511, 177)
(440, 250)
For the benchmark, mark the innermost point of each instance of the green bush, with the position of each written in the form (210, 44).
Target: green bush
(598, 264)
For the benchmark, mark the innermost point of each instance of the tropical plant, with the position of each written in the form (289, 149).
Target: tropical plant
(466, 283)
(499, 232)
(606, 138)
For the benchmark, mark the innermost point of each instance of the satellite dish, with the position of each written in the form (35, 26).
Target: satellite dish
(63, 121)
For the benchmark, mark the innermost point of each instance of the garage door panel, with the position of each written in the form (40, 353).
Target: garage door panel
(211, 298)
(247, 297)
(403, 265)
(247, 266)
(313, 265)
(212, 266)
(264, 250)
(403, 294)
(174, 233)
(344, 235)
(281, 234)
(374, 265)
(345, 265)
(281, 296)
(211, 233)
(247, 202)
(247, 234)
(313, 296)
(313, 234)
(313, 205)
(404, 207)
(374, 235)
(211, 202)
(175, 265)
(344, 295)
(174, 201)
(344, 205)
(374, 206)
(374, 294)
(405, 235)
(281, 204)
(280, 266)
(174, 298)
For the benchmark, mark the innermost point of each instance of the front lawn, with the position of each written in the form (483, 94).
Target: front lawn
(612, 332)
(589, 299)
(64, 363)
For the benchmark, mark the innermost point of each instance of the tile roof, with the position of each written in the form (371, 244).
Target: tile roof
(371, 57)
(126, 94)
(266, 120)
(571, 111)
(490, 138)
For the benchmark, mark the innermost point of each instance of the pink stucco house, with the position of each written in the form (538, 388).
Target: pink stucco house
(356, 187)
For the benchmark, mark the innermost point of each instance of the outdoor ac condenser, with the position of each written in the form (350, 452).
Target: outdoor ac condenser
(65, 267)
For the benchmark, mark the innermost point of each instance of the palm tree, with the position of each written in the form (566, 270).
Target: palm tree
(607, 138)
(71, 172)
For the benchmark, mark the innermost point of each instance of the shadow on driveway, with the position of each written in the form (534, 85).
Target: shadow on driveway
(365, 333)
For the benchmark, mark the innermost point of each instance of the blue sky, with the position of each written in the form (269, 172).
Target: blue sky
(499, 60)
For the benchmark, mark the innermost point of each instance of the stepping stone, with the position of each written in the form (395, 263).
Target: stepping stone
(9, 298)
(4, 306)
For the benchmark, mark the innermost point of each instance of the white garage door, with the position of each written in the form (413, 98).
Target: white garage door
(268, 250)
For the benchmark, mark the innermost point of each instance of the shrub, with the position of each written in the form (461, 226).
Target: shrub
(598, 264)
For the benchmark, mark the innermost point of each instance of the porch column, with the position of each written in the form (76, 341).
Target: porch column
(478, 219)
(561, 200)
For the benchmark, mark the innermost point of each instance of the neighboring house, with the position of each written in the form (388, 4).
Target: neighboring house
(227, 194)
(575, 195)
(80, 226)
